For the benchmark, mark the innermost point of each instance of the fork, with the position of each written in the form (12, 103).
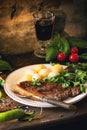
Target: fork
(51, 101)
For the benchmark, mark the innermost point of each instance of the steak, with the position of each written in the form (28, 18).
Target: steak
(50, 90)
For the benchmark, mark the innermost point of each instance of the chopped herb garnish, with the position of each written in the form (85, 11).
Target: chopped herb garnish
(36, 83)
(73, 75)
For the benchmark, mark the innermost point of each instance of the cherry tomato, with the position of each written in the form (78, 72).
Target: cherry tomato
(74, 57)
(61, 56)
(74, 49)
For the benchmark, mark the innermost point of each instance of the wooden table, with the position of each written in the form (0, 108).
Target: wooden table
(52, 118)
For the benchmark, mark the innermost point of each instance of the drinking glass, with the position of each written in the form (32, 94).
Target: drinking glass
(43, 21)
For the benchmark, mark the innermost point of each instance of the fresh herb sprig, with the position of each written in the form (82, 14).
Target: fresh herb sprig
(73, 75)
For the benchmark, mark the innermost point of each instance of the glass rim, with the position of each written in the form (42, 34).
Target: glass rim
(37, 13)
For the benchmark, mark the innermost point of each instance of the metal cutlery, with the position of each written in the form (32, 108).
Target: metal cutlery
(51, 101)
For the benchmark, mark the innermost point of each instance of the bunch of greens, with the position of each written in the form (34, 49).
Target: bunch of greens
(57, 44)
(73, 75)
(64, 44)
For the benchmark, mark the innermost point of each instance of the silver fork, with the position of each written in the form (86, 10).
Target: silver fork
(51, 101)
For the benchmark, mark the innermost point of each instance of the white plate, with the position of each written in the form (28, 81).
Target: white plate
(14, 77)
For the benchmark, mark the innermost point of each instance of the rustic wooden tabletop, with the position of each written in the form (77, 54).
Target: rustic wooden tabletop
(53, 118)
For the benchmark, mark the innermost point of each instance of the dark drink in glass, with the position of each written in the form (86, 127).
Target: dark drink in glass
(43, 29)
(44, 21)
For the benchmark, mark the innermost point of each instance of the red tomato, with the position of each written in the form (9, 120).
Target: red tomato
(61, 56)
(74, 49)
(74, 57)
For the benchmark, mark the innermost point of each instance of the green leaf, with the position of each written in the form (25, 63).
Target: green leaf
(0, 96)
(82, 88)
(80, 43)
(76, 83)
(2, 82)
(4, 65)
(51, 54)
(36, 83)
(54, 41)
(83, 56)
(81, 75)
(66, 84)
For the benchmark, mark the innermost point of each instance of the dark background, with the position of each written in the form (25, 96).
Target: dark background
(17, 34)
